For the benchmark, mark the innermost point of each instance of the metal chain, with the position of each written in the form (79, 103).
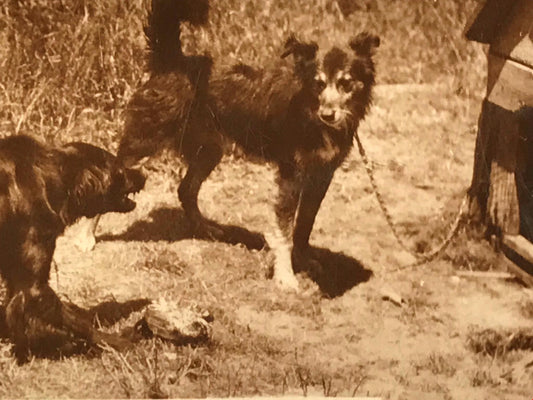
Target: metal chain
(56, 269)
(422, 258)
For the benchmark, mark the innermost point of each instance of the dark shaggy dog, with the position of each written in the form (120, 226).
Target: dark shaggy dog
(299, 115)
(42, 190)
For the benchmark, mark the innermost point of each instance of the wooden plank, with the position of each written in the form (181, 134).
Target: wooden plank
(488, 19)
(519, 261)
(520, 245)
(503, 209)
(510, 84)
(485, 274)
(514, 38)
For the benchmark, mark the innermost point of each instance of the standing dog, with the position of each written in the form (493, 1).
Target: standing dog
(300, 116)
(42, 190)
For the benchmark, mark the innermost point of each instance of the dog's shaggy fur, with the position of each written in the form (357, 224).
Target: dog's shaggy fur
(42, 190)
(299, 115)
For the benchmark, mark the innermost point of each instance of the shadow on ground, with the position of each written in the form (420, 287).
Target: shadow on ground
(339, 274)
(171, 225)
(166, 224)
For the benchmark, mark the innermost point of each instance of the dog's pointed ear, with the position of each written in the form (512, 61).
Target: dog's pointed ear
(289, 46)
(301, 51)
(365, 44)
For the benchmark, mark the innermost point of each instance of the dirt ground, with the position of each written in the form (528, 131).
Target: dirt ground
(338, 336)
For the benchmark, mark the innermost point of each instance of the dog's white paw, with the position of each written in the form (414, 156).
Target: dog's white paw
(283, 274)
(286, 282)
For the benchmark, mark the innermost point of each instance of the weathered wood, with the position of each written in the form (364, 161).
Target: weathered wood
(520, 245)
(514, 269)
(479, 188)
(488, 19)
(514, 246)
(514, 40)
(503, 212)
(509, 84)
(494, 197)
(503, 207)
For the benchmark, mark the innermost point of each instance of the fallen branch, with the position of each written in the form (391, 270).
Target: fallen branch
(485, 274)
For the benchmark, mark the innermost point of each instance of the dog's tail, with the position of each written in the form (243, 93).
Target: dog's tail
(163, 30)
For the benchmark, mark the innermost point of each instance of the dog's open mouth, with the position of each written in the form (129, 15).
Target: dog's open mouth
(127, 202)
(340, 121)
(337, 124)
(134, 184)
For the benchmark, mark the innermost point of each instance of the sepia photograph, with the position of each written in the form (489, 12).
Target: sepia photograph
(277, 199)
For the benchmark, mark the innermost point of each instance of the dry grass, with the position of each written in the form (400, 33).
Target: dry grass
(66, 71)
(68, 68)
(497, 343)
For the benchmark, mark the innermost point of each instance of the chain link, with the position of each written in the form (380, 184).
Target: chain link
(421, 258)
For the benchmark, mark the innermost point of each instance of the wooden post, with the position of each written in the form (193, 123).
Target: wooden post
(502, 204)
(493, 192)
(479, 188)
(499, 156)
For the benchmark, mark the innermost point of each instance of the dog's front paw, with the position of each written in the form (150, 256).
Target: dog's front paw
(306, 261)
(282, 271)
(285, 280)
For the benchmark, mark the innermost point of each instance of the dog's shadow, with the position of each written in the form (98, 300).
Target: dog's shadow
(171, 225)
(339, 273)
(162, 224)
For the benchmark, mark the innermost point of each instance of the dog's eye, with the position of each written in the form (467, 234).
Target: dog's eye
(345, 84)
(320, 84)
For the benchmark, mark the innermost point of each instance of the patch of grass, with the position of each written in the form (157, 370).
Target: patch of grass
(484, 378)
(438, 364)
(497, 343)
(526, 309)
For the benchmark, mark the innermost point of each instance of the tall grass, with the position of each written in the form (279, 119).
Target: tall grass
(67, 68)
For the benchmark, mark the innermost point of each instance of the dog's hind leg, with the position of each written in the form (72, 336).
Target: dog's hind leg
(202, 159)
(40, 323)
